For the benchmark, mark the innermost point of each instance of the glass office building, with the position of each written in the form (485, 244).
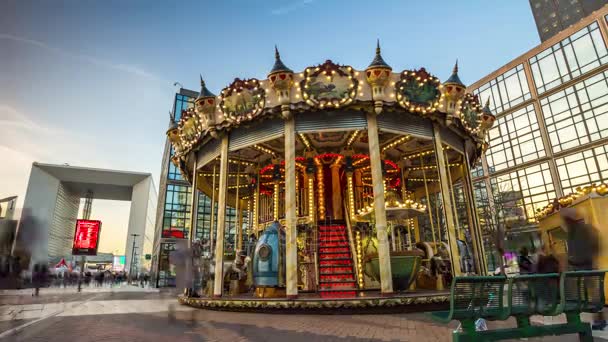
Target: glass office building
(551, 133)
(175, 205)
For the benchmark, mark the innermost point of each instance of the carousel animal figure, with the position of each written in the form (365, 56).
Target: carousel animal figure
(269, 258)
(235, 275)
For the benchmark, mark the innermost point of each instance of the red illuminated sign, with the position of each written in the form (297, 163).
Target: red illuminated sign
(86, 237)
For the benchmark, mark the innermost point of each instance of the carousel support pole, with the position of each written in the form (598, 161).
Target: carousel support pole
(386, 282)
(256, 204)
(194, 206)
(447, 202)
(218, 283)
(336, 195)
(393, 242)
(237, 209)
(453, 194)
(480, 260)
(193, 224)
(351, 196)
(416, 229)
(212, 218)
(430, 208)
(291, 248)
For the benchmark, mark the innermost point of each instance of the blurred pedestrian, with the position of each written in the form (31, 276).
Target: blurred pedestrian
(582, 241)
(583, 249)
(547, 262)
(525, 262)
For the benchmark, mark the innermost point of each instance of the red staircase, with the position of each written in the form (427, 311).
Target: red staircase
(336, 274)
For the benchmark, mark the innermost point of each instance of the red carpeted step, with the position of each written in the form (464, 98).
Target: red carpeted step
(334, 256)
(324, 229)
(334, 250)
(336, 277)
(323, 236)
(335, 269)
(337, 286)
(346, 262)
(336, 273)
(324, 244)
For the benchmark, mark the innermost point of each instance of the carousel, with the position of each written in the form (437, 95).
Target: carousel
(350, 186)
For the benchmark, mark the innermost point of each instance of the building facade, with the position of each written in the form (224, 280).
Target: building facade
(551, 133)
(553, 16)
(175, 205)
(52, 204)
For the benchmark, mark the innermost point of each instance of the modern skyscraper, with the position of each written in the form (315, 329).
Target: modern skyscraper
(553, 16)
(551, 133)
(175, 205)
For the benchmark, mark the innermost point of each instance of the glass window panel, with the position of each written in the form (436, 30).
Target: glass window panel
(516, 139)
(581, 168)
(570, 58)
(506, 90)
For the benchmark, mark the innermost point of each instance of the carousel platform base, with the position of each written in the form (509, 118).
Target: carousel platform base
(366, 303)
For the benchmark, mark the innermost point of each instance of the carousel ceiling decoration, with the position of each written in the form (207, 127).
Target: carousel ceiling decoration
(470, 113)
(329, 85)
(242, 100)
(419, 91)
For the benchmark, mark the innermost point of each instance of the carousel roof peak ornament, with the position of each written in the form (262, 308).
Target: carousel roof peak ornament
(486, 109)
(278, 63)
(378, 61)
(454, 79)
(204, 91)
(173, 123)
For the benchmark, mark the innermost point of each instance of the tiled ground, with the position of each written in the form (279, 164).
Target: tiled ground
(133, 316)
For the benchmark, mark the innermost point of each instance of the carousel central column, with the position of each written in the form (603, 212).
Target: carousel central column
(447, 200)
(291, 250)
(336, 196)
(386, 282)
(221, 219)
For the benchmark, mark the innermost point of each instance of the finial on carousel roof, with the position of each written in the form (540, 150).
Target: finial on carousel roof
(204, 91)
(378, 61)
(486, 108)
(281, 80)
(204, 105)
(172, 124)
(278, 64)
(378, 75)
(454, 79)
(487, 119)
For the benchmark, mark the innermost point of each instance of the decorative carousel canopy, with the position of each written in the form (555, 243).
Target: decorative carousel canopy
(330, 86)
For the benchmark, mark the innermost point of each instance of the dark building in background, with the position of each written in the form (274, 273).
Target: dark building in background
(175, 204)
(553, 16)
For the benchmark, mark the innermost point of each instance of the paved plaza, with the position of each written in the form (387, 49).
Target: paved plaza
(133, 314)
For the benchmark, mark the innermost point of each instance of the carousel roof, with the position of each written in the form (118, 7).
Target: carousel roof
(204, 91)
(454, 79)
(324, 88)
(278, 63)
(486, 108)
(378, 60)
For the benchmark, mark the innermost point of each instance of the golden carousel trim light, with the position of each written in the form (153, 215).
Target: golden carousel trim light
(568, 200)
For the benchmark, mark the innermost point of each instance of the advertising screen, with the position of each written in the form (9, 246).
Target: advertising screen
(119, 263)
(86, 237)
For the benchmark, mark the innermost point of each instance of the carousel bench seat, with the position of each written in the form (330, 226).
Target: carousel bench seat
(552, 294)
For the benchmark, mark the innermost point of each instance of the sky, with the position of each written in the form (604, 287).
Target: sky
(90, 83)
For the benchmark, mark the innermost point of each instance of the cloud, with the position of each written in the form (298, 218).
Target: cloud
(290, 7)
(131, 69)
(24, 141)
